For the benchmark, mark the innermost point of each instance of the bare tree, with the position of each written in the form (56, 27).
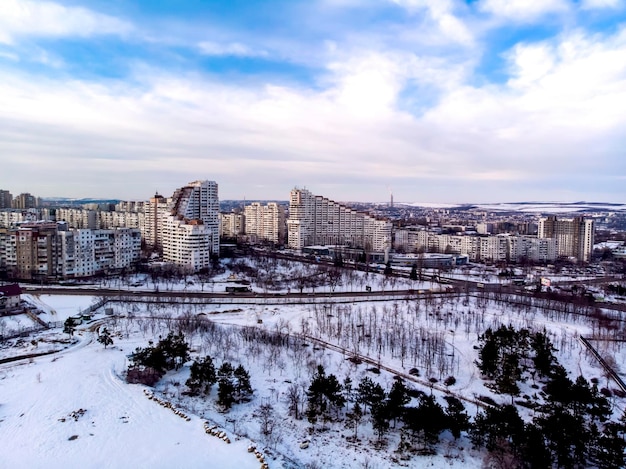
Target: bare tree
(294, 398)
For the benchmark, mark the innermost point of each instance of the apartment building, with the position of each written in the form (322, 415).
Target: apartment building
(121, 219)
(49, 250)
(532, 248)
(25, 201)
(498, 248)
(190, 232)
(232, 224)
(78, 218)
(84, 253)
(155, 212)
(13, 217)
(265, 222)
(316, 220)
(574, 236)
(6, 199)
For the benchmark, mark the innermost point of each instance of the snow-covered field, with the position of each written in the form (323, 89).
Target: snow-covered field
(74, 408)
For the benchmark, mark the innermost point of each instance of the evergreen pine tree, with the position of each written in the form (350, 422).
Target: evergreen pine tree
(457, 418)
(202, 376)
(396, 400)
(105, 338)
(225, 392)
(68, 326)
(243, 389)
(608, 452)
(380, 421)
(354, 418)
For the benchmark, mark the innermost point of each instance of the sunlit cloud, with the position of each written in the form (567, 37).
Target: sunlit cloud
(33, 18)
(233, 48)
(344, 108)
(594, 4)
(523, 10)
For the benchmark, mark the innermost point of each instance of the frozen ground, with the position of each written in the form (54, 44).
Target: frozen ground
(75, 408)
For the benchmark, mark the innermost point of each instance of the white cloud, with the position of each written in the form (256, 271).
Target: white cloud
(523, 10)
(26, 17)
(233, 49)
(561, 112)
(441, 12)
(597, 4)
(9, 56)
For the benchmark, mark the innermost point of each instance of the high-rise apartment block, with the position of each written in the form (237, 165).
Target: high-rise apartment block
(265, 222)
(25, 201)
(191, 230)
(6, 199)
(232, 224)
(314, 219)
(155, 212)
(48, 250)
(498, 248)
(574, 236)
(12, 217)
(78, 218)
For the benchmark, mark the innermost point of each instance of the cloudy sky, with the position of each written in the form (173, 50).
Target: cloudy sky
(434, 100)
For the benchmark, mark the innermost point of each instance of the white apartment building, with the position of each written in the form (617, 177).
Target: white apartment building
(84, 253)
(265, 222)
(12, 217)
(130, 206)
(78, 218)
(155, 211)
(121, 219)
(43, 250)
(187, 244)
(190, 232)
(314, 220)
(496, 248)
(532, 248)
(232, 224)
(574, 236)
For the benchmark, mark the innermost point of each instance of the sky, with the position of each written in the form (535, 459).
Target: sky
(444, 101)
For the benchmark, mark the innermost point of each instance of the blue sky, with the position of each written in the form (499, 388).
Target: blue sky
(435, 100)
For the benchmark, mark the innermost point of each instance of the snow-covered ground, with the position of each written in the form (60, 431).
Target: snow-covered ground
(74, 408)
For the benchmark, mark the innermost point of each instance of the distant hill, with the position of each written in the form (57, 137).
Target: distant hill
(534, 207)
(69, 201)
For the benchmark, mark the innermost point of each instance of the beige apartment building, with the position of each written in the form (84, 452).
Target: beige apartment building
(316, 220)
(574, 236)
(190, 232)
(265, 222)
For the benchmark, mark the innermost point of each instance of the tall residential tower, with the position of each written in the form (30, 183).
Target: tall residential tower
(574, 236)
(314, 219)
(191, 230)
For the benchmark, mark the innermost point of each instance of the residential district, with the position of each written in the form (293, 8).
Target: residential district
(311, 333)
(47, 240)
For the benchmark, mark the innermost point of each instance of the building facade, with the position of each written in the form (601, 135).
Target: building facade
(265, 222)
(40, 251)
(25, 201)
(6, 199)
(316, 220)
(232, 224)
(190, 232)
(155, 212)
(574, 236)
(498, 248)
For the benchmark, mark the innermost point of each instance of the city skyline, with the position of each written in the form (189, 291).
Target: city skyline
(439, 101)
